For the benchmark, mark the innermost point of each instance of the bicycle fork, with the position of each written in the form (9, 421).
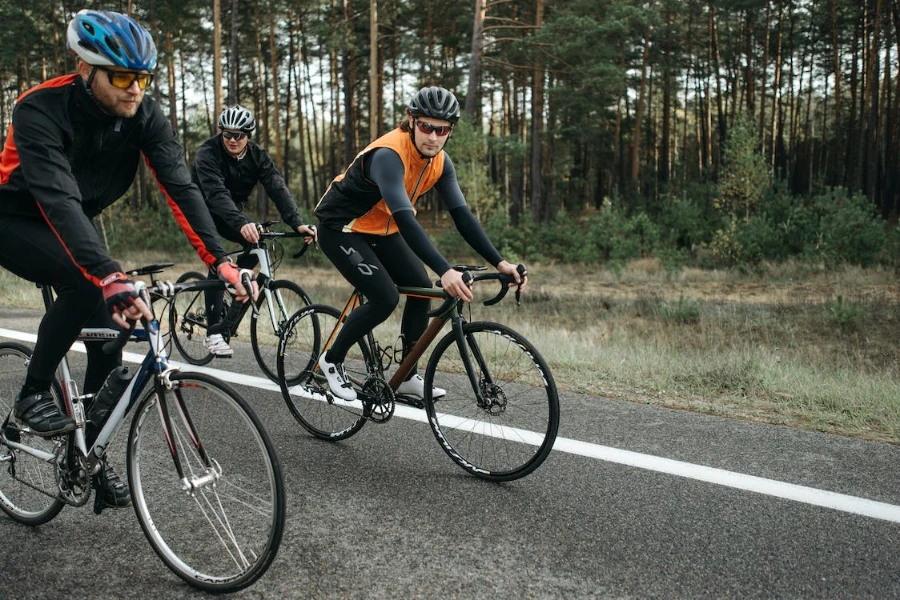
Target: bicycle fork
(468, 349)
(190, 482)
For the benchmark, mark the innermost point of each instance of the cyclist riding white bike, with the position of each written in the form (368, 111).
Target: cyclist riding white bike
(227, 168)
(369, 231)
(72, 150)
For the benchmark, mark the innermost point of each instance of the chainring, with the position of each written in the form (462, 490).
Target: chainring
(378, 400)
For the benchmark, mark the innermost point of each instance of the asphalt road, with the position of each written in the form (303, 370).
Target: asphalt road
(634, 502)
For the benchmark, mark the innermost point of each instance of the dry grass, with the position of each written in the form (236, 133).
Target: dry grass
(795, 345)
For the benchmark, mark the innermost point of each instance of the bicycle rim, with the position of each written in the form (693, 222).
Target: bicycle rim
(27, 484)
(188, 322)
(223, 536)
(512, 432)
(302, 385)
(287, 299)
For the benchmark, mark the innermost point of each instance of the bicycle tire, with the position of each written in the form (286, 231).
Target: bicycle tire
(512, 436)
(18, 499)
(304, 388)
(242, 514)
(264, 334)
(188, 322)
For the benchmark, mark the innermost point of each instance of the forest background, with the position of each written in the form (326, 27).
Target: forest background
(711, 140)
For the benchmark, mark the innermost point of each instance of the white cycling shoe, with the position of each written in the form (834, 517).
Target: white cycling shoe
(415, 386)
(337, 379)
(217, 346)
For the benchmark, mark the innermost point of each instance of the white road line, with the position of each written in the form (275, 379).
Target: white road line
(749, 483)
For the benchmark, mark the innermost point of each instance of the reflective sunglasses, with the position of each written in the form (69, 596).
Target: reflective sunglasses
(233, 135)
(427, 128)
(124, 79)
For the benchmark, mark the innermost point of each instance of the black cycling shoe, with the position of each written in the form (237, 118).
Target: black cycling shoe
(40, 412)
(111, 491)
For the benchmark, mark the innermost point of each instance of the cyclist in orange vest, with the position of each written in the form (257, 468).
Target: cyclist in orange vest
(367, 227)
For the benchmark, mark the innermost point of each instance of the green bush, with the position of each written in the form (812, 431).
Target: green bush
(126, 230)
(850, 231)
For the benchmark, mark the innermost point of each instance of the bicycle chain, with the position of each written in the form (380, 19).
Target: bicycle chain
(80, 500)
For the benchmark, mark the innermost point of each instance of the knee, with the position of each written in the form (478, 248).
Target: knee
(384, 302)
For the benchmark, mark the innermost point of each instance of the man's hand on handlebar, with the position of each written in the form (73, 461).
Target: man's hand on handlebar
(519, 274)
(453, 283)
(310, 234)
(122, 300)
(250, 232)
(236, 278)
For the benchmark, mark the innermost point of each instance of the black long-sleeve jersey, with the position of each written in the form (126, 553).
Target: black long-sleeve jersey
(65, 160)
(227, 182)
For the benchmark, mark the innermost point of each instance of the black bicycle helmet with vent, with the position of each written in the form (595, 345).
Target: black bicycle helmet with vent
(237, 118)
(435, 102)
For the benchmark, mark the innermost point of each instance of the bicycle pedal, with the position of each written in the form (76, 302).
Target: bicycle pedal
(410, 400)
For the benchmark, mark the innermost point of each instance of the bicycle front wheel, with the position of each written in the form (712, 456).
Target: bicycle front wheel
(307, 334)
(286, 298)
(219, 526)
(28, 489)
(188, 322)
(507, 430)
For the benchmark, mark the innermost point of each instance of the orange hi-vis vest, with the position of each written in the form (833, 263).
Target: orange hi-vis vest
(353, 203)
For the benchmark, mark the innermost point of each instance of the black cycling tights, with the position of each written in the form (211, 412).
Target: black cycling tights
(376, 265)
(30, 249)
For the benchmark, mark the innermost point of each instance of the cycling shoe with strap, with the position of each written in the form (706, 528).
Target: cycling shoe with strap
(40, 412)
(111, 491)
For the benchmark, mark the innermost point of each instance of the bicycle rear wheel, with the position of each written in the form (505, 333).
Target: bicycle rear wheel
(302, 384)
(221, 537)
(287, 298)
(28, 487)
(508, 434)
(188, 322)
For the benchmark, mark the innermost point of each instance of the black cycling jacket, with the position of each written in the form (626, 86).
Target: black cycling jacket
(65, 160)
(227, 182)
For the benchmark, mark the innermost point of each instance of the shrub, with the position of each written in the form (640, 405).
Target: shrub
(850, 231)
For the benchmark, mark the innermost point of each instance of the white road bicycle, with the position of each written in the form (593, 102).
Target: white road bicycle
(205, 479)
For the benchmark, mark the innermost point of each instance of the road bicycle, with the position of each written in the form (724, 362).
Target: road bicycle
(499, 417)
(278, 300)
(206, 482)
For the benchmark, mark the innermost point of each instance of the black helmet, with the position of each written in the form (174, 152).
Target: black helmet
(435, 102)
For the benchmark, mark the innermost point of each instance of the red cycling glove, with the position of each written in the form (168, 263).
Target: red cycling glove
(118, 292)
(231, 274)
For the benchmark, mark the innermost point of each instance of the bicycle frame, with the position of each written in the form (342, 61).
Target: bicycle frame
(450, 310)
(155, 365)
(264, 278)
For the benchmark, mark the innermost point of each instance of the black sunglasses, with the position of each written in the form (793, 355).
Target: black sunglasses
(124, 79)
(427, 128)
(233, 135)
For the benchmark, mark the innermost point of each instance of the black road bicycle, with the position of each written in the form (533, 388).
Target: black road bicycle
(499, 417)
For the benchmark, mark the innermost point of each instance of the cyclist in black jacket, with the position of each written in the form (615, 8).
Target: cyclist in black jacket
(71, 151)
(227, 168)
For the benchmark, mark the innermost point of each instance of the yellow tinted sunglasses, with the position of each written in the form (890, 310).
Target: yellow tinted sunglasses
(124, 79)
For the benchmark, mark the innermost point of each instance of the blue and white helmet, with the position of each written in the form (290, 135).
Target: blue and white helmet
(109, 39)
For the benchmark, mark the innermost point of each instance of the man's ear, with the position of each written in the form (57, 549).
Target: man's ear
(84, 69)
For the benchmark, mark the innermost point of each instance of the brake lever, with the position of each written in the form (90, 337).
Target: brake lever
(247, 282)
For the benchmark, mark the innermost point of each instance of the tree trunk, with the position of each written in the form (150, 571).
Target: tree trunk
(217, 62)
(639, 111)
(276, 103)
(473, 99)
(234, 72)
(374, 71)
(538, 210)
